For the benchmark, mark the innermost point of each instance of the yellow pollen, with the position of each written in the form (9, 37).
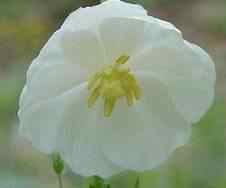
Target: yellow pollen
(112, 83)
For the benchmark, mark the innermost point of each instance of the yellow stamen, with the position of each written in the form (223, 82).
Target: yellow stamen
(122, 59)
(111, 83)
(108, 106)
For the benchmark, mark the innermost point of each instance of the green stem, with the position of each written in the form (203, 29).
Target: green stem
(58, 167)
(60, 182)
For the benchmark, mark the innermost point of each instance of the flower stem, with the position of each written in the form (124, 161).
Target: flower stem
(58, 167)
(60, 182)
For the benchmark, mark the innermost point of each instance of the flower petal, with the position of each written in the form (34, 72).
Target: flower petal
(69, 47)
(79, 139)
(83, 48)
(90, 17)
(131, 35)
(142, 136)
(49, 54)
(50, 81)
(66, 125)
(188, 73)
(52, 75)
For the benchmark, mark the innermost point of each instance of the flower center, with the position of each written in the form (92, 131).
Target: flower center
(112, 83)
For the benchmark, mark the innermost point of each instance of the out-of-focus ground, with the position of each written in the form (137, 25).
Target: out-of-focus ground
(25, 25)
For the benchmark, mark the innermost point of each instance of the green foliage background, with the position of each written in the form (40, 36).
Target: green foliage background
(25, 25)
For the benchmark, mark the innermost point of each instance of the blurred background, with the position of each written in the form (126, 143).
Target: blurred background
(25, 25)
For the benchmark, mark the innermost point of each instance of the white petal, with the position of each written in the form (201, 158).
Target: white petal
(54, 75)
(189, 74)
(65, 124)
(51, 53)
(90, 17)
(131, 35)
(121, 36)
(69, 47)
(142, 136)
(79, 138)
(40, 122)
(22, 98)
(50, 81)
(83, 48)
(82, 19)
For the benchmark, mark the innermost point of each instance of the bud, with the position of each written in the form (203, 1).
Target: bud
(58, 163)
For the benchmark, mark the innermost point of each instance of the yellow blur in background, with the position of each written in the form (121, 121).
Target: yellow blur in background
(25, 25)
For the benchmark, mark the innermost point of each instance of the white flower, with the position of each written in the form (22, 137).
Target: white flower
(115, 89)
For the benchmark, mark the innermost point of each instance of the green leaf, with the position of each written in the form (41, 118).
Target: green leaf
(107, 186)
(91, 186)
(98, 182)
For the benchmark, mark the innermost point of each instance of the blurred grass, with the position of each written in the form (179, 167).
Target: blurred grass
(217, 25)
(9, 95)
(25, 25)
(9, 180)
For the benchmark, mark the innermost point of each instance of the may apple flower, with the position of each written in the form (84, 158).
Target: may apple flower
(115, 89)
